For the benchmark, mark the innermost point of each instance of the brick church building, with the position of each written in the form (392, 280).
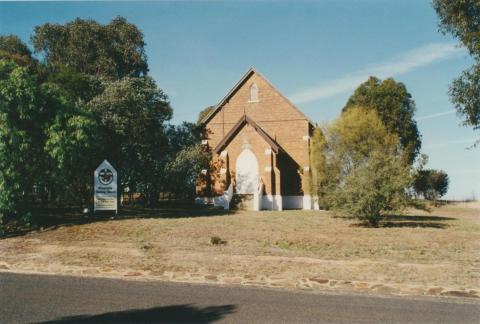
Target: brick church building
(260, 145)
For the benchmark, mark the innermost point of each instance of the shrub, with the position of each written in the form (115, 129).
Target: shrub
(216, 240)
(359, 167)
(374, 189)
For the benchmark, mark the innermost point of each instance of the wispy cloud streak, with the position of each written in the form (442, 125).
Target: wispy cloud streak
(469, 141)
(397, 65)
(443, 113)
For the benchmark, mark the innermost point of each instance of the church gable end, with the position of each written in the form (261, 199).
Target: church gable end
(255, 97)
(256, 115)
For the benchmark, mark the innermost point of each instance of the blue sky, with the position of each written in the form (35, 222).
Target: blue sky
(315, 53)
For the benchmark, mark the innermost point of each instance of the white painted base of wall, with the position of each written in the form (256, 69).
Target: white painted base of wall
(307, 202)
(276, 202)
(271, 202)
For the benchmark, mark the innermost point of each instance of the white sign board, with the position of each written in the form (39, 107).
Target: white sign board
(105, 183)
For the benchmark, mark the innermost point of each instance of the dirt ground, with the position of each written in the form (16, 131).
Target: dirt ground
(422, 253)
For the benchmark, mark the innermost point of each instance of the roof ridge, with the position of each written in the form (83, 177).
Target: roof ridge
(228, 95)
(238, 125)
(238, 84)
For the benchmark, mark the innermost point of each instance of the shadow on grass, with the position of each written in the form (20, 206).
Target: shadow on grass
(168, 314)
(51, 219)
(176, 210)
(427, 221)
(412, 221)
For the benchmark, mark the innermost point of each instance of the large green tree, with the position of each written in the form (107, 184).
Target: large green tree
(22, 110)
(103, 68)
(358, 167)
(79, 87)
(395, 107)
(132, 112)
(44, 143)
(72, 149)
(461, 18)
(114, 50)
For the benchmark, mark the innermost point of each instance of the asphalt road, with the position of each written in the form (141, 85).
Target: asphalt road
(62, 299)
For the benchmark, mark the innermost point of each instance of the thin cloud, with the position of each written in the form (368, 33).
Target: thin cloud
(470, 141)
(443, 113)
(397, 65)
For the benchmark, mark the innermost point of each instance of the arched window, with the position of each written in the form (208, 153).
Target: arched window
(253, 93)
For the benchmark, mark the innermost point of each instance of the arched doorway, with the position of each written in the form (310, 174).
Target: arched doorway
(246, 172)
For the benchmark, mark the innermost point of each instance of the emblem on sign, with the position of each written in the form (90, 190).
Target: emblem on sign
(105, 176)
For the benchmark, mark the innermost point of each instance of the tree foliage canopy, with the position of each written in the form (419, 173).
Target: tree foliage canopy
(89, 99)
(13, 45)
(21, 107)
(131, 113)
(12, 48)
(431, 184)
(395, 107)
(43, 142)
(204, 113)
(114, 50)
(358, 166)
(461, 18)
(186, 159)
(77, 86)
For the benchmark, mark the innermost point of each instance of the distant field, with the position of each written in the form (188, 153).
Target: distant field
(422, 253)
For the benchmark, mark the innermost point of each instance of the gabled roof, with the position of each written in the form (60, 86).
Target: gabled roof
(237, 86)
(238, 126)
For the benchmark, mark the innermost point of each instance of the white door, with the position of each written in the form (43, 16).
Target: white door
(247, 172)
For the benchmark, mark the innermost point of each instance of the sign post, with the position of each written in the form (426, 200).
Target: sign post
(105, 183)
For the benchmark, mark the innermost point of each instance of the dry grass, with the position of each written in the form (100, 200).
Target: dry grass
(420, 250)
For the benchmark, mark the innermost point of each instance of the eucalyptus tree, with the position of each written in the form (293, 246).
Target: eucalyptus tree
(114, 50)
(461, 18)
(395, 107)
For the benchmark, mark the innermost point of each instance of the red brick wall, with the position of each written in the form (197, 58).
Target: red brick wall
(276, 115)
